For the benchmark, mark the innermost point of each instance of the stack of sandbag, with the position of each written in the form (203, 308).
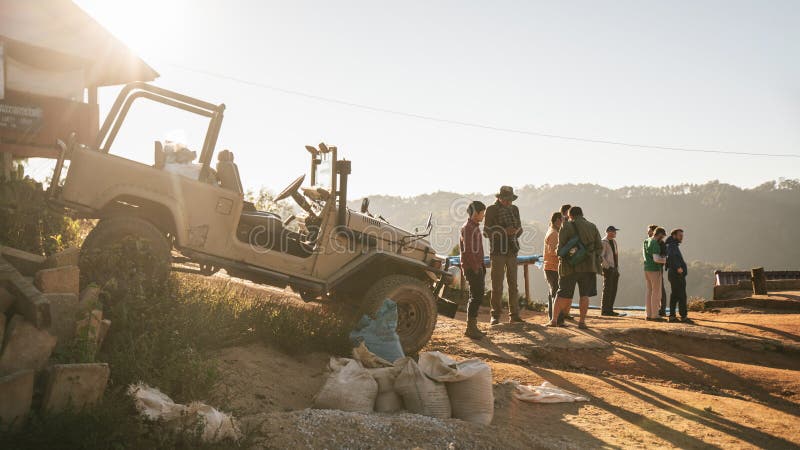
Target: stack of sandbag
(380, 333)
(350, 387)
(468, 384)
(421, 394)
(384, 373)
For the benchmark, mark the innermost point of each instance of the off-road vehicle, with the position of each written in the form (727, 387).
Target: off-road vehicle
(193, 213)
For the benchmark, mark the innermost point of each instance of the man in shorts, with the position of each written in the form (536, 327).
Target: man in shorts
(574, 271)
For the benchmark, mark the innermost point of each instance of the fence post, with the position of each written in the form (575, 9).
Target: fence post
(759, 281)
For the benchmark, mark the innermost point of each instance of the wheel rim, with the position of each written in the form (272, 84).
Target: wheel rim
(410, 310)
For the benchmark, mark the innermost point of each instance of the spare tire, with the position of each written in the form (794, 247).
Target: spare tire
(125, 254)
(416, 308)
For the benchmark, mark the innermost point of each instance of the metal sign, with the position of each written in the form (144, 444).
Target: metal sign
(20, 117)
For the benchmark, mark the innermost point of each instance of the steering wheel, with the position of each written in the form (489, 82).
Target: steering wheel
(291, 189)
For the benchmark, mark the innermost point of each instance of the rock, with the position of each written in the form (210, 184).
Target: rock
(28, 301)
(74, 385)
(60, 280)
(6, 300)
(16, 390)
(26, 263)
(90, 297)
(105, 325)
(26, 347)
(67, 257)
(64, 309)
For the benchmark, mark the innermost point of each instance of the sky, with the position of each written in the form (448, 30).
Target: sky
(718, 75)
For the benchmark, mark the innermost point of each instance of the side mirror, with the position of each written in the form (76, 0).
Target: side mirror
(429, 225)
(364, 205)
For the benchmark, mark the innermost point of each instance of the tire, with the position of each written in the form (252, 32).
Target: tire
(125, 254)
(416, 308)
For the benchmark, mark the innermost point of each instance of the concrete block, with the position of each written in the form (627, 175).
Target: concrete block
(60, 280)
(28, 301)
(6, 299)
(64, 311)
(90, 298)
(26, 263)
(74, 385)
(16, 392)
(25, 347)
(67, 257)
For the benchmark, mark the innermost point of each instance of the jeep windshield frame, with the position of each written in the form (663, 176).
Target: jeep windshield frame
(133, 91)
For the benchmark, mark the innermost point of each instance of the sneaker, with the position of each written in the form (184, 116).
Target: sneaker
(687, 320)
(582, 326)
(655, 319)
(672, 319)
(662, 313)
(495, 321)
(515, 319)
(610, 314)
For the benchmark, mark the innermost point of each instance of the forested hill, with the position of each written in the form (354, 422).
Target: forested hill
(724, 224)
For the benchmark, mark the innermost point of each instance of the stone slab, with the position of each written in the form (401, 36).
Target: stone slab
(28, 301)
(90, 298)
(75, 386)
(26, 263)
(59, 280)
(16, 392)
(6, 299)
(25, 347)
(67, 257)
(64, 311)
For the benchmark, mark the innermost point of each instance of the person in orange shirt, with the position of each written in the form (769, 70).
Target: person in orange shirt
(551, 261)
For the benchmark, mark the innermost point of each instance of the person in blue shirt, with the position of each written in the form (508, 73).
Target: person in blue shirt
(676, 273)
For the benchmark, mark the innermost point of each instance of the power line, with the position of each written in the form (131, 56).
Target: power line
(473, 124)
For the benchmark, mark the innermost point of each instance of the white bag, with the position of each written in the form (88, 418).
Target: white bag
(388, 401)
(546, 393)
(469, 385)
(421, 395)
(349, 387)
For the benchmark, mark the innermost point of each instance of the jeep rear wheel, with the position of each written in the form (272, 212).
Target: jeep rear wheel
(125, 254)
(416, 308)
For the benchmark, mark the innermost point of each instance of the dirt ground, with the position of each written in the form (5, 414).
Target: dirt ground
(732, 380)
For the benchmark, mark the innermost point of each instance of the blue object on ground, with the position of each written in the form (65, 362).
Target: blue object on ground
(521, 259)
(380, 334)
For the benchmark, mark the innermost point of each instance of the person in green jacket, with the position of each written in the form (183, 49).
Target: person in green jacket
(653, 273)
(583, 273)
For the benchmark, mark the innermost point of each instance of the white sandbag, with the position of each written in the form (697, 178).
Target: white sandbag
(348, 388)
(546, 393)
(388, 399)
(468, 382)
(421, 395)
(155, 405)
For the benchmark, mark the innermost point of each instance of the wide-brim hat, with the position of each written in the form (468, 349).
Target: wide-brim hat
(506, 193)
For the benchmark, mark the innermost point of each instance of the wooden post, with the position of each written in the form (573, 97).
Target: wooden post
(6, 163)
(527, 283)
(759, 279)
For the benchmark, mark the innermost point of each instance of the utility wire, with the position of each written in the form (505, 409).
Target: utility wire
(473, 124)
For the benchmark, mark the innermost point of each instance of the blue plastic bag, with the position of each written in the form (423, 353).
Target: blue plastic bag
(380, 334)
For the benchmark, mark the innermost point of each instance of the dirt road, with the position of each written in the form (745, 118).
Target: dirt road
(732, 380)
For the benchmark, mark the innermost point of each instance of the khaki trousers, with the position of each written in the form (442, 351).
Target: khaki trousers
(504, 266)
(652, 297)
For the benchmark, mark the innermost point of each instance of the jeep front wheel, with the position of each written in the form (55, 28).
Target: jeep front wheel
(125, 254)
(416, 308)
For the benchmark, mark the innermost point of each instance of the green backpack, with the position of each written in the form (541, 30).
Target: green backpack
(574, 252)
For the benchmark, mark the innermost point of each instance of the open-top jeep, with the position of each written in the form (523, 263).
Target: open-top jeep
(196, 214)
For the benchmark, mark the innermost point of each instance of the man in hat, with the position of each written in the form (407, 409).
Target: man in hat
(503, 227)
(610, 263)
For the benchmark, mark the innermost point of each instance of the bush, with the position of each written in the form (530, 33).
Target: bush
(697, 304)
(27, 223)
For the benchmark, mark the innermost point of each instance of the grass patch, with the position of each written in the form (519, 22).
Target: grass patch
(164, 338)
(696, 304)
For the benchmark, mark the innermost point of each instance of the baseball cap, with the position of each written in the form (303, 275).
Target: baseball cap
(611, 228)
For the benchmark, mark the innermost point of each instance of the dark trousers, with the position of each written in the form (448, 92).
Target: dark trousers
(677, 283)
(662, 311)
(477, 286)
(552, 283)
(610, 284)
